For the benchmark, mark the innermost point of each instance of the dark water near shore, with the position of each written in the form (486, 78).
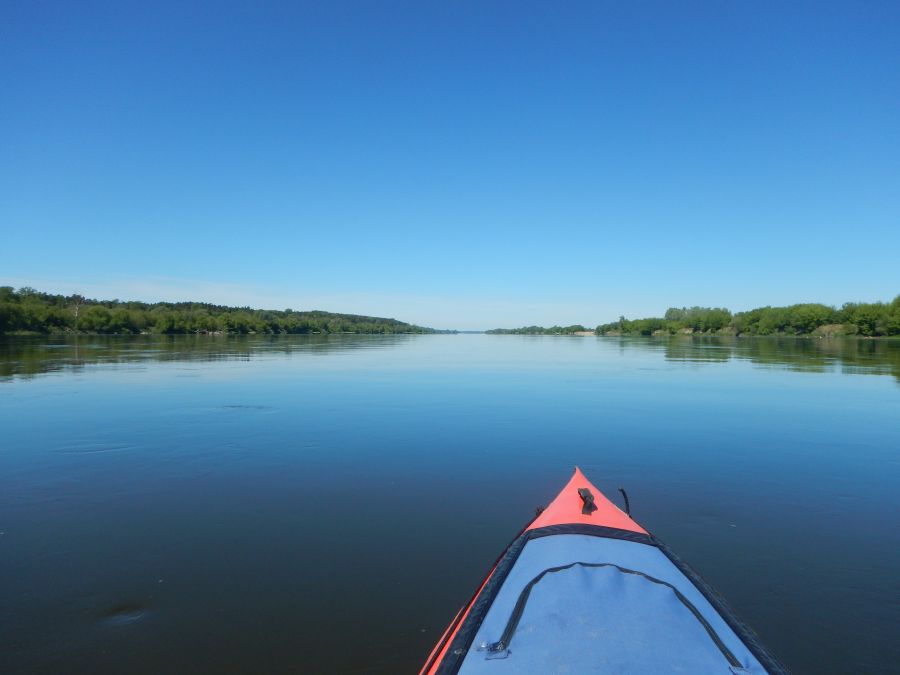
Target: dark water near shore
(325, 504)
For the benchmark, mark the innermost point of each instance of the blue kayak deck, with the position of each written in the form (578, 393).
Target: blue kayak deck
(576, 603)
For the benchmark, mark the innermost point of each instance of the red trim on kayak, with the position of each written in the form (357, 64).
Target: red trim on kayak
(432, 664)
(567, 508)
(441, 644)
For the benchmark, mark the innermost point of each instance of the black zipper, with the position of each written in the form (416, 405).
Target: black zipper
(503, 643)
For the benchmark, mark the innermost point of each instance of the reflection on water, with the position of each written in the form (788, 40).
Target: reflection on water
(874, 357)
(850, 356)
(37, 355)
(27, 356)
(323, 504)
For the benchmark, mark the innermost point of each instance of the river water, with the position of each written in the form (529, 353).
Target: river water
(324, 504)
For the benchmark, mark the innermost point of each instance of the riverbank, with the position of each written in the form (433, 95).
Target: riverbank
(875, 319)
(28, 311)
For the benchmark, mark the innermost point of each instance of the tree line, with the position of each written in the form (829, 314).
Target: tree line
(29, 311)
(873, 319)
(539, 330)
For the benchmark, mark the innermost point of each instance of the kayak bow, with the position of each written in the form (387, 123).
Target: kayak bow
(585, 589)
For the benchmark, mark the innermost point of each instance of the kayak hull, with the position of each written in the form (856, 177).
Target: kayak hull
(584, 588)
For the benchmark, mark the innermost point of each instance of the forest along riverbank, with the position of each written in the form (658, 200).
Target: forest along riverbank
(876, 319)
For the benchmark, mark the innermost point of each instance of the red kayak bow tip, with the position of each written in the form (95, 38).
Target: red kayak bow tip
(573, 506)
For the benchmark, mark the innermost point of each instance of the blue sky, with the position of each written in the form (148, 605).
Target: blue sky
(455, 164)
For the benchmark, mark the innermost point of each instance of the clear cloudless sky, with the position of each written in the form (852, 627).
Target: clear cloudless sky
(455, 164)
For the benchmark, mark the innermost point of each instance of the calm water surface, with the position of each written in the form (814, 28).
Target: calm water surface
(325, 504)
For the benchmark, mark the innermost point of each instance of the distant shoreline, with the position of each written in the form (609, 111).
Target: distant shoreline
(873, 319)
(805, 336)
(28, 311)
(584, 334)
(72, 333)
